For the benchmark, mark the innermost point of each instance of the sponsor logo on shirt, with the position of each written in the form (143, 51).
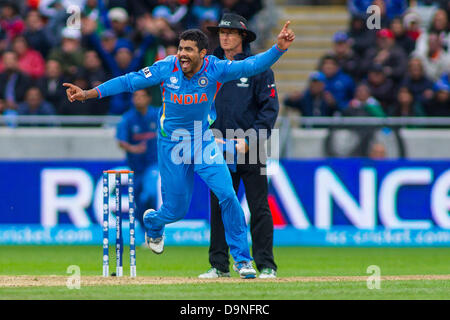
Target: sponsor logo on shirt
(147, 72)
(243, 83)
(173, 79)
(172, 86)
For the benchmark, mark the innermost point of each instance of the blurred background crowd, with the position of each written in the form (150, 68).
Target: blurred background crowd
(44, 43)
(399, 69)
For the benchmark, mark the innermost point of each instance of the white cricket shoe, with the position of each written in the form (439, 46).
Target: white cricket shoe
(214, 273)
(268, 273)
(245, 269)
(155, 244)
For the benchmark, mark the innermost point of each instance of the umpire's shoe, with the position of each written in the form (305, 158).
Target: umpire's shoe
(214, 273)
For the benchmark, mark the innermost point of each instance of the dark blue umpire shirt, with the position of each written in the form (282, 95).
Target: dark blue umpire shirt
(248, 102)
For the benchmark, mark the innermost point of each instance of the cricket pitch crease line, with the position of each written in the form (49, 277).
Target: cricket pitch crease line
(54, 280)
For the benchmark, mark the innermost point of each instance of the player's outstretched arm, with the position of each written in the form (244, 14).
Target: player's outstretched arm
(285, 37)
(130, 82)
(75, 93)
(231, 70)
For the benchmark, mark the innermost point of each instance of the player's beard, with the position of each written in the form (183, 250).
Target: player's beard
(189, 65)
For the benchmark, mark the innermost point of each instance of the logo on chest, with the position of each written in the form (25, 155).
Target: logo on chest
(188, 98)
(173, 83)
(244, 83)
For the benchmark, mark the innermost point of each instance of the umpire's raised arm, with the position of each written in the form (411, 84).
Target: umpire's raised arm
(232, 70)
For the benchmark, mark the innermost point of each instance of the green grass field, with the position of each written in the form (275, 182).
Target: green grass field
(294, 263)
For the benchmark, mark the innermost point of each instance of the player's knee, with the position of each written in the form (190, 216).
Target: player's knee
(179, 207)
(226, 196)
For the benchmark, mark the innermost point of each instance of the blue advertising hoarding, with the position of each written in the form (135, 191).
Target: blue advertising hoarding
(350, 202)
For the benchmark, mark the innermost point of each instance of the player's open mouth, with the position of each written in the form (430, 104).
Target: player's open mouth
(185, 63)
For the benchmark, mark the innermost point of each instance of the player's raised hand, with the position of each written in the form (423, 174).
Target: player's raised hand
(286, 37)
(74, 93)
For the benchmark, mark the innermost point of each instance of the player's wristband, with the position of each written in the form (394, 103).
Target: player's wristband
(84, 96)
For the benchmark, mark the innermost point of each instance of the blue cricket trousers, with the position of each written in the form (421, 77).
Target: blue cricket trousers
(177, 181)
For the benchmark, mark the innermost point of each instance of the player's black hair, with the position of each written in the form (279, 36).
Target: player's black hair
(197, 36)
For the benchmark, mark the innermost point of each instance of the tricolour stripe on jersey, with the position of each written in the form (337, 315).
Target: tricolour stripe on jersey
(161, 121)
(218, 85)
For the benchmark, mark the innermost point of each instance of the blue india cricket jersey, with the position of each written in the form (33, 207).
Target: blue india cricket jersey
(136, 128)
(185, 101)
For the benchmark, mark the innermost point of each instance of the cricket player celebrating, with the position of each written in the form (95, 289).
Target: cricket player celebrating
(189, 82)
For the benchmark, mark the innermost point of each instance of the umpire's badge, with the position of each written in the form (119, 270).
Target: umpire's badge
(203, 82)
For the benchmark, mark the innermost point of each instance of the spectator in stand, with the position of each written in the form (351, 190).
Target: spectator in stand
(13, 82)
(417, 83)
(90, 107)
(311, 102)
(361, 38)
(93, 72)
(339, 86)
(202, 10)
(389, 8)
(405, 105)
(70, 54)
(435, 60)
(440, 26)
(381, 87)
(388, 55)
(160, 28)
(56, 13)
(445, 5)
(140, 7)
(97, 10)
(35, 104)
(31, 61)
(363, 104)
(10, 21)
(401, 38)
(35, 33)
(123, 61)
(411, 23)
(246, 8)
(347, 59)
(51, 84)
(119, 23)
(92, 69)
(439, 106)
(108, 39)
(173, 12)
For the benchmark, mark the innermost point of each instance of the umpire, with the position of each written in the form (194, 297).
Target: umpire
(247, 103)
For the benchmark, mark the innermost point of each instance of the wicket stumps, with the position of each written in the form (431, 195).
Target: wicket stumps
(118, 209)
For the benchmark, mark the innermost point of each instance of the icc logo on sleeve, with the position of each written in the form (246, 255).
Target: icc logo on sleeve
(147, 72)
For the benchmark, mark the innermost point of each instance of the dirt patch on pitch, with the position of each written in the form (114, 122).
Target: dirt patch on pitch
(53, 281)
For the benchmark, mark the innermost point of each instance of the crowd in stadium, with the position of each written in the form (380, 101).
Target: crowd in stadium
(398, 70)
(44, 43)
(401, 69)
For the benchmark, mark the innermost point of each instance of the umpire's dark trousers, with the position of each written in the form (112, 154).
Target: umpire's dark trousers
(261, 223)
